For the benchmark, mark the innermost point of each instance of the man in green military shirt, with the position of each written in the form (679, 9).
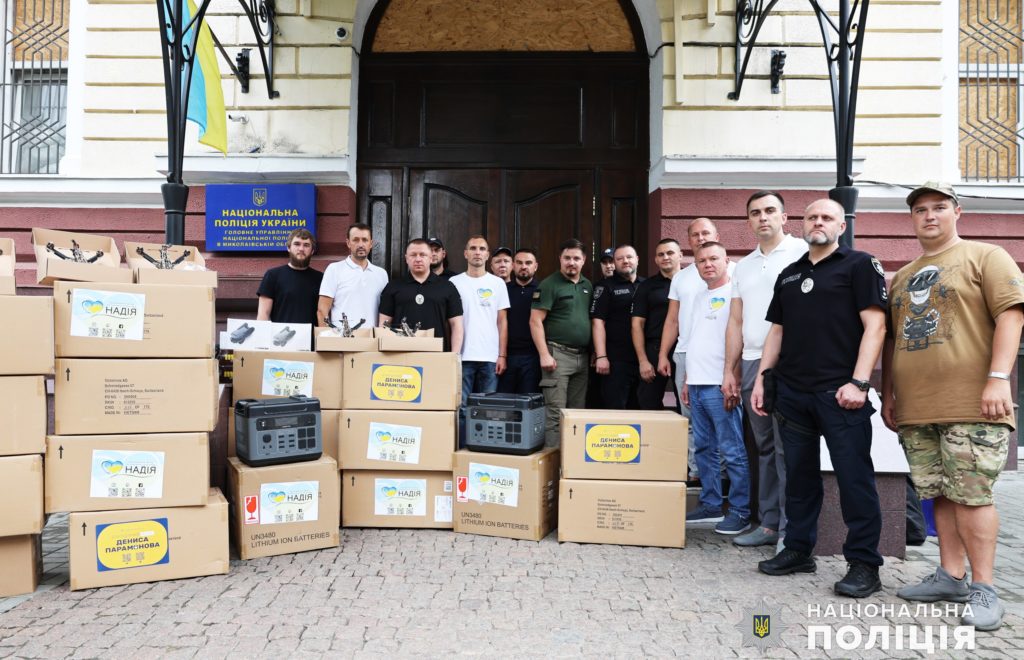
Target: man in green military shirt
(560, 326)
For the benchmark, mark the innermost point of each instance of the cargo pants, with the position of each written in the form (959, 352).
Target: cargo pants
(565, 387)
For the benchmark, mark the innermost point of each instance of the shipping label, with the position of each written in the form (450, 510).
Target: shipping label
(612, 443)
(400, 497)
(289, 502)
(107, 314)
(442, 508)
(132, 544)
(493, 484)
(127, 474)
(392, 382)
(286, 378)
(394, 443)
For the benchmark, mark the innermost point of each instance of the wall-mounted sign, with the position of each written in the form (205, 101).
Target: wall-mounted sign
(244, 217)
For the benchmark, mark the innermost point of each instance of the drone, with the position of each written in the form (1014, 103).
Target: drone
(242, 333)
(345, 330)
(404, 330)
(164, 262)
(76, 253)
(282, 338)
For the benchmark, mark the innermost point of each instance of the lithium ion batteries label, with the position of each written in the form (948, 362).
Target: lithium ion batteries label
(442, 508)
(400, 497)
(395, 382)
(394, 443)
(612, 443)
(132, 544)
(284, 378)
(127, 474)
(492, 484)
(294, 501)
(107, 314)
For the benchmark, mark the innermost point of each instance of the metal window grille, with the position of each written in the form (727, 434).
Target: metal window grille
(991, 88)
(33, 85)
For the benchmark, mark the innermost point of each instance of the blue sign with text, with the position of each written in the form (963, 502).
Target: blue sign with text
(243, 217)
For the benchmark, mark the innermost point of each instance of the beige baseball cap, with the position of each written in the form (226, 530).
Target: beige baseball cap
(940, 187)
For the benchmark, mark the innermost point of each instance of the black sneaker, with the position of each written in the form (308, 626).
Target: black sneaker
(861, 581)
(786, 562)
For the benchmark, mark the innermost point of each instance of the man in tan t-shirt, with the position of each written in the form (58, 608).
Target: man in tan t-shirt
(955, 325)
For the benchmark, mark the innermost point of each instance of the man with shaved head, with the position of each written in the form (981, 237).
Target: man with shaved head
(828, 327)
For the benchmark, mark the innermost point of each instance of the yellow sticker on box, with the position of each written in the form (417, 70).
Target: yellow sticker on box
(395, 382)
(132, 544)
(612, 443)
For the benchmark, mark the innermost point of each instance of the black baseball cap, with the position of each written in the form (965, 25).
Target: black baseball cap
(502, 250)
(435, 241)
(608, 253)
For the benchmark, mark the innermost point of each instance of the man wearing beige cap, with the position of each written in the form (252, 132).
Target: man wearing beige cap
(955, 317)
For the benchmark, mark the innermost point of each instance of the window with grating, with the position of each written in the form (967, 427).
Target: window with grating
(33, 86)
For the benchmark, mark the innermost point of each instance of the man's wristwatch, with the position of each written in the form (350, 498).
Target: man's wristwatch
(862, 385)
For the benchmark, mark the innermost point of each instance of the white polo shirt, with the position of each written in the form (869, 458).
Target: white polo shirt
(356, 291)
(685, 287)
(754, 283)
(482, 298)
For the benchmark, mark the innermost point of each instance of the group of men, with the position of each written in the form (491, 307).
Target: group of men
(788, 336)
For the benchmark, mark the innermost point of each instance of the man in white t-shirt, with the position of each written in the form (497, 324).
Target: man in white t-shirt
(353, 285)
(753, 285)
(717, 427)
(484, 316)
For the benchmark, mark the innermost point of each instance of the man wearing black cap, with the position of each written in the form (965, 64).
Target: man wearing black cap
(607, 263)
(439, 259)
(501, 263)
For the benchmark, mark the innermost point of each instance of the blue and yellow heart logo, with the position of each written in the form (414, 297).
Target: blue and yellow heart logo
(383, 436)
(277, 496)
(484, 293)
(92, 306)
(482, 477)
(277, 372)
(112, 467)
(717, 303)
(389, 491)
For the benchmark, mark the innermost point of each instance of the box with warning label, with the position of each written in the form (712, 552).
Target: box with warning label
(514, 497)
(108, 472)
(392, 498)
(23, 411)
(281, 509)
(649, 513)
(21, 564)
(146, 545)
(21, 511)
(624, 444)
(396, 440)
(273, 374)
(402, 381)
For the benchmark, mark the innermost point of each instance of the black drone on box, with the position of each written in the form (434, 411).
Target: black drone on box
(76, 253)
(164, 262)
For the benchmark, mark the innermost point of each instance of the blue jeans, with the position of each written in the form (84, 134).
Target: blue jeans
(477, 378)
(718, 432)
(522, 375)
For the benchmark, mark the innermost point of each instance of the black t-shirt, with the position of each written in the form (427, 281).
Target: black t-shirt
(818, 307)
(650, 302)
(520, 299)
(430, 304)
(295, 293)
(613, 299)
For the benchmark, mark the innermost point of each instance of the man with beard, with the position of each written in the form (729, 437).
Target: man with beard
(501, 264)
(614, 358)
(352, 286)
(522, 366)
(288, 294)
(439, 259)
(650, 306)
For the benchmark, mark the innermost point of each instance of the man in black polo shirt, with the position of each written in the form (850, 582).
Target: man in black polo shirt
(828, 327)
(522, 366)
(614, 357)
(439, 259)
(650, 306)
(290, 293)
(423, 297)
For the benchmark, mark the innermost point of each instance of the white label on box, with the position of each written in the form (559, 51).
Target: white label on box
(284, 378)
(394, 442)
(447, 486)
(493, 484)
(289, 502)
(127, 474)
(400, 497)
(107, 314)
(442, 508)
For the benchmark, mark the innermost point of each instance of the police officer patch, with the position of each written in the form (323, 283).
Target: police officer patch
(878, 266)
(419, 299)
(536, 295)
(807, 285)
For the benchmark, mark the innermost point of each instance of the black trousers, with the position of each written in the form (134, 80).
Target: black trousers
(803, 418)
(651, 396)
(618, 388)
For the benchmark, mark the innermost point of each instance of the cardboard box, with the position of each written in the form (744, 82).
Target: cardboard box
(624, 444)
(402, 381)
(111, 472)
(50, 267)
(423, 342)
(397, 440)
(133, 320)
(26, 336)
(374, 498)
(515, 497)
(8, 262)
(23, 411)
(21, 564)
(329, 420)
(328, 339)
(21, 512)
(649, 513)
(281, 509)
(146, 545)
(276, 374)
(134, 396)
(191, 271)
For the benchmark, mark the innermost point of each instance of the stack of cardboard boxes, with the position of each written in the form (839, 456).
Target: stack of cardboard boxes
(623, 478)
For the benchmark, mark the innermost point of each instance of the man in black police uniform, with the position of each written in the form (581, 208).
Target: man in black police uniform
(290, 293)
(650, 307)
(828, 327)
(522, 366)
(424, 298)
(614, 357)
(439, 259)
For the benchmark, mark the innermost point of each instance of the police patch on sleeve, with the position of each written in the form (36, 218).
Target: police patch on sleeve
(878, 266)
(536, 295)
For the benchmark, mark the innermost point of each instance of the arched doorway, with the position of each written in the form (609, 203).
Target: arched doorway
(525, 122)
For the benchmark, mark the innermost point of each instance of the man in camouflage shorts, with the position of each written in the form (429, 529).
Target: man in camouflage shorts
(955, 322)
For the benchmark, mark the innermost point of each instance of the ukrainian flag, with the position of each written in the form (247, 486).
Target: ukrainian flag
(206, 97)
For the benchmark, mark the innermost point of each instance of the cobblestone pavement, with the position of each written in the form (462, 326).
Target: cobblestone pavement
(409, 593)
